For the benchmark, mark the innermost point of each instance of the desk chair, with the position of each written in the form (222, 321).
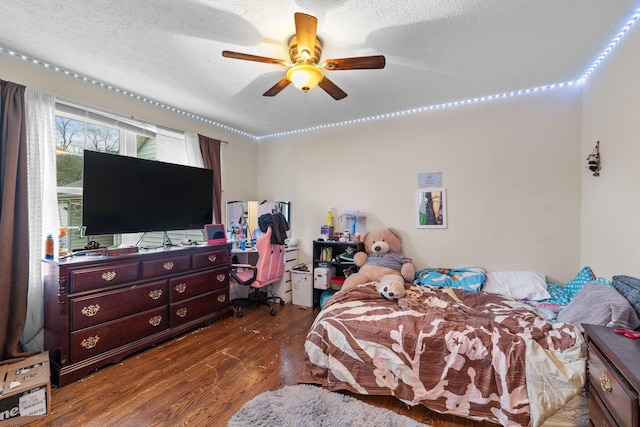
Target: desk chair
(268, 270)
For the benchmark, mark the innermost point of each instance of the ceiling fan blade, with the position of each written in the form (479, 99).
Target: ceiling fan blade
(255, 58)
(306, 26)
(355, 63)
(275, 89)
(331, 88)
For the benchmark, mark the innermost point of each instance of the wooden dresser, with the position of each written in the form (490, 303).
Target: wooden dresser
(614, 377)
(99, 309)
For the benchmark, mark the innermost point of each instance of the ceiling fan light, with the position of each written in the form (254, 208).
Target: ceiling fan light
(305, 76)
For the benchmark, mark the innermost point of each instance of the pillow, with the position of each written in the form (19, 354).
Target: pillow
(583, 277)
(605, 281)
(517, 284)
(468, 279)
(599, 305)
(559, 296)
(629, 287)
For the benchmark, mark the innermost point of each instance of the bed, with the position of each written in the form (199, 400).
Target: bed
(477, 355)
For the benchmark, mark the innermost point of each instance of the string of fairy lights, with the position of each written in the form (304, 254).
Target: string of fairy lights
(608, 49)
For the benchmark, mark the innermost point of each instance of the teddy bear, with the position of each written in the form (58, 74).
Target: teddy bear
(382, 257)
(391, 287)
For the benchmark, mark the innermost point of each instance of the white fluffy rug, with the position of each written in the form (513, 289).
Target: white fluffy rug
(312, 406)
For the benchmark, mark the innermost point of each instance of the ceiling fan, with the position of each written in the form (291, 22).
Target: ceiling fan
(305, 70)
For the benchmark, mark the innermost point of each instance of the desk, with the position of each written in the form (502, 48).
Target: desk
(250, 256)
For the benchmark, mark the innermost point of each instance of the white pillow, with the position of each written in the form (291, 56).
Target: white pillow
(517, 284)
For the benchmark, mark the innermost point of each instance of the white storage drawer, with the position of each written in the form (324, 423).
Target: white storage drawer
(322, 277)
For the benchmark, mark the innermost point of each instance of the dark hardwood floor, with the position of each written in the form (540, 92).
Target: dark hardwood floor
(203, 377)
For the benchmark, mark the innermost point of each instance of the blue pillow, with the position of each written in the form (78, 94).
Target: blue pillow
(468, 279)
(605, 282)
(559, 295)
(583, 277)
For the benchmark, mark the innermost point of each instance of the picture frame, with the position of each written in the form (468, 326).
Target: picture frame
(431, 207)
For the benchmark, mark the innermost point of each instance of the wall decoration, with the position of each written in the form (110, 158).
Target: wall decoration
(593, 160)
(430, 179)
(431, 208)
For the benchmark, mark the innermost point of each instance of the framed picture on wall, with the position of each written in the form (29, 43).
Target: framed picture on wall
(431, 208)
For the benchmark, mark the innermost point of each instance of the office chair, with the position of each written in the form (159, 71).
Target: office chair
(268, 270)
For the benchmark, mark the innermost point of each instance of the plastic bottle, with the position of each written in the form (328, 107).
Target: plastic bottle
(48, 247)
(330, 218)
(63, 240)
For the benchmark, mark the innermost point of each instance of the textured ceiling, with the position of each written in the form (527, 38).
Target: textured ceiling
(436, 51)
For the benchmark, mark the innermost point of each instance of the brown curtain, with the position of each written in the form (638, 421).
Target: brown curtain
(210, 149)
(14, 226)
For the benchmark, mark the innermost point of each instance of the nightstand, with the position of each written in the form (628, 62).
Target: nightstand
(613, 369)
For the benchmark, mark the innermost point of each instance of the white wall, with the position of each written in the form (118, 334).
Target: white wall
(610, 237)
(511, 169)
(238, 155)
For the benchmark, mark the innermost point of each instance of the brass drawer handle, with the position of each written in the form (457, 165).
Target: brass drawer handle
(221, 277)
(155, 294)
(168, 265)
(605, 382)
(222, 298)
(109, 275)
(155, 320)
(91, 310)
(213, 257)
(181, 287)
(181, 311)
(90, 342)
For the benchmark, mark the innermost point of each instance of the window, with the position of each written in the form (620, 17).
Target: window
(84, 129)
(73, 136)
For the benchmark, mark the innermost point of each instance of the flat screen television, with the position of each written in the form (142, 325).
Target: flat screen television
(124, 194)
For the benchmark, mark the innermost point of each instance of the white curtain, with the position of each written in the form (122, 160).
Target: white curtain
(43, 204)
(192, 145)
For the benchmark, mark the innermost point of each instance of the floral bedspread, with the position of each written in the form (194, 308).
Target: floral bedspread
(476, 355)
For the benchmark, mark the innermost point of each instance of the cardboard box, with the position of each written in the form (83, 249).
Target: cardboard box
(26, 391)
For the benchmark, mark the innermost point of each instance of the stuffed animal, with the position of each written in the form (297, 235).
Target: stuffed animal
(382, 256)
(391, 287)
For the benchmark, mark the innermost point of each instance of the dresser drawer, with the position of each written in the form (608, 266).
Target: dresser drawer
(597, 413)
(166, 266)
(184, 287)
(107, 336)
(611, 388)
(290, 257)
(192, 309)
(213, 258)
(289, 265)
(93, 278)
(98, 308)
(286, 277)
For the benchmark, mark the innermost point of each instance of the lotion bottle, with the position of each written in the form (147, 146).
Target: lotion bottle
(63, 240)
(330, 218)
